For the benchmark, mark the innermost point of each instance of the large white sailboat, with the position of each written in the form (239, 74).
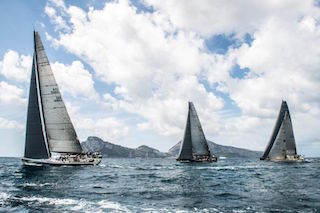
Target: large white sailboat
(282, 145)
(50, 136)
(194, 146)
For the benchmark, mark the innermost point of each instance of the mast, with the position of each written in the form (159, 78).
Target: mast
(60, 133)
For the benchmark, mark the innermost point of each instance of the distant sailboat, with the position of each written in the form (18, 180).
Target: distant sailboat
(282, 145)
(194, 146)
(50, 135)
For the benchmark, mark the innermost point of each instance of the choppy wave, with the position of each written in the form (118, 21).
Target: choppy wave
(161, 185)
(81, 205)
(36, 184)
(63, 203)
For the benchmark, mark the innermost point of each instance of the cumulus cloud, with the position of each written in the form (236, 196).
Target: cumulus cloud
(209, 18)
(9, 124)
(75, 80)
(107, 127)
(16, 67)
(157, 61)
(10, 94)
(56, 17)
(282, 68)
(153, 74)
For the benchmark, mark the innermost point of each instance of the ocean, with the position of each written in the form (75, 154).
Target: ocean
(161, 185)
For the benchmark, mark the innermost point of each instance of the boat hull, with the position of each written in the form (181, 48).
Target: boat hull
(288, 159)
(199, 159)
(56, 162)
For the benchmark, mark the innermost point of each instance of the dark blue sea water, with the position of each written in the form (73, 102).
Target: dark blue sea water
(161, 185)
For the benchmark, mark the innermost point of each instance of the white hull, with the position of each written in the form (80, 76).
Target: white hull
(290, 159)
(204, 159)
(58, 162)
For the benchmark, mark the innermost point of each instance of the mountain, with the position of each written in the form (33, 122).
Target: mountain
(110, 150)
(107, 149)
(225, 151)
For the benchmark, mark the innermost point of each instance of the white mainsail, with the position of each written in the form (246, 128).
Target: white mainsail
(61, 135)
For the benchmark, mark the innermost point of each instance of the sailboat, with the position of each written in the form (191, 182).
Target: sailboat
(282, 145)
(194, 146)
(50, 136)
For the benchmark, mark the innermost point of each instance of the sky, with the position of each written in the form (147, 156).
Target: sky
(127, 69)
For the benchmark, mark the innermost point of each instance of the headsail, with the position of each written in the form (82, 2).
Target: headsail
(61, 134)
(185, 152)
(282, 140)
(35, 146)
(194, 142)
(199, 142)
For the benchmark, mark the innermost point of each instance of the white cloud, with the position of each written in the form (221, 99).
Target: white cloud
(107, 127)
(157, 62)
(10, 94)
(208, 17)
(156, 70)
(56, 17)
(15, 66)
(282, 68)
(284, 64)
(75, 79)
(9, 124)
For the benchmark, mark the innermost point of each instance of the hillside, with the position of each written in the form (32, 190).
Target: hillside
(109, 150)
(220, 150)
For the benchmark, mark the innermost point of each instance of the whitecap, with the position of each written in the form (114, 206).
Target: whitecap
(238, 211)
(53, 201)
(37, 184)
(4, 196)
(81, 205)
(104, 204)
(29, 184)
(71, 204)
(116, 166)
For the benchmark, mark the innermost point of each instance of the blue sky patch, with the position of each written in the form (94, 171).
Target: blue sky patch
(219, 43)
(237, 72)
